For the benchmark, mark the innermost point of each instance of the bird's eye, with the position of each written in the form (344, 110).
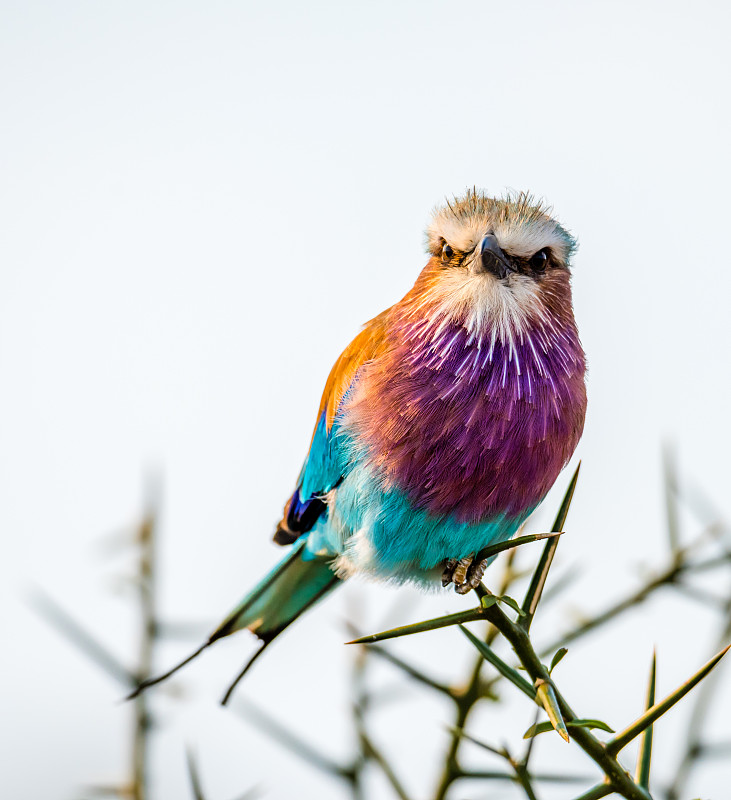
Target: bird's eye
(539, 261)
(447, 253)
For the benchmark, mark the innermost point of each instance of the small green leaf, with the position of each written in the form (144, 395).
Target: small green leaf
(540, 727)
(488, 600)
(545, 727)
(590, 723)
(560, 653)
(512, 603)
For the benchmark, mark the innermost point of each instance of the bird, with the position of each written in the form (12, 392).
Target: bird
(442, 425)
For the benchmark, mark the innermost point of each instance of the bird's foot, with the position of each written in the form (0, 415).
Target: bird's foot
(465, 573)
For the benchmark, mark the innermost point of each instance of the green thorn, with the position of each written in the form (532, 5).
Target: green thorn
(420, 627)
(533, 595)
(547, 697)
(506, 671)
(642, 775)
(657, 710)
(597, 792)
(670, 485)
(494, 549)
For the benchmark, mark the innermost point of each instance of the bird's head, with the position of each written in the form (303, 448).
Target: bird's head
(497, 262)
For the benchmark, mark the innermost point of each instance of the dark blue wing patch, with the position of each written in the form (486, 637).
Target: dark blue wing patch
(322, 471)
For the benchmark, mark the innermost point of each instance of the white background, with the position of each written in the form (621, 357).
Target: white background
(201, 203)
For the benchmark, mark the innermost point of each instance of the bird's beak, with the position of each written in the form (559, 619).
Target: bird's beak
(491, 258)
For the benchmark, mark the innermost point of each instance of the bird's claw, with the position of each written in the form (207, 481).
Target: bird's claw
(465, 573)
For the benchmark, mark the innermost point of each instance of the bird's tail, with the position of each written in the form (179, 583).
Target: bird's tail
(295, 584)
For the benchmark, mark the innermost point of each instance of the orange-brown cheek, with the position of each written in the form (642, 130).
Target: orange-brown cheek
(555, 293)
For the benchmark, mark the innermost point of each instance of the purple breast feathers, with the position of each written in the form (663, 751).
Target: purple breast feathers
(472, 427)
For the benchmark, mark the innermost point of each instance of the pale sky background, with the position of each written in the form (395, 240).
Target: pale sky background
(201, 204)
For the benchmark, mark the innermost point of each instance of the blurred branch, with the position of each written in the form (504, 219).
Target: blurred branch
(183, 630)
(669, 576)
(670, 484)
(197, 786)
(291, 741)
(146, 579)
(710, 550)
(368, 749)
(194, 775)
(695, 748)
(147, 566)
(520, 773)
(467, 698)
(413, 672)
(68, 627)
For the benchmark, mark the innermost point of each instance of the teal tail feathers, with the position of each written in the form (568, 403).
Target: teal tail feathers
(295, 584)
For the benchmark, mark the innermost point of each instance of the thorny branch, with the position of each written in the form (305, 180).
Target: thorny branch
(682, 567)
(685, 562)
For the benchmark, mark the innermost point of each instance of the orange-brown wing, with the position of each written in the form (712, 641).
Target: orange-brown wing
(323, 469)
(366, 346)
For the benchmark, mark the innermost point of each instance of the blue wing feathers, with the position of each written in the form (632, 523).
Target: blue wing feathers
(321, 472)
(323, 469)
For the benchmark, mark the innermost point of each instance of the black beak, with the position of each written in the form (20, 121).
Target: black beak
(492, 258)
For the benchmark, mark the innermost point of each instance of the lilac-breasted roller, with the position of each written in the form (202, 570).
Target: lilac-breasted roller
(444, 423)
